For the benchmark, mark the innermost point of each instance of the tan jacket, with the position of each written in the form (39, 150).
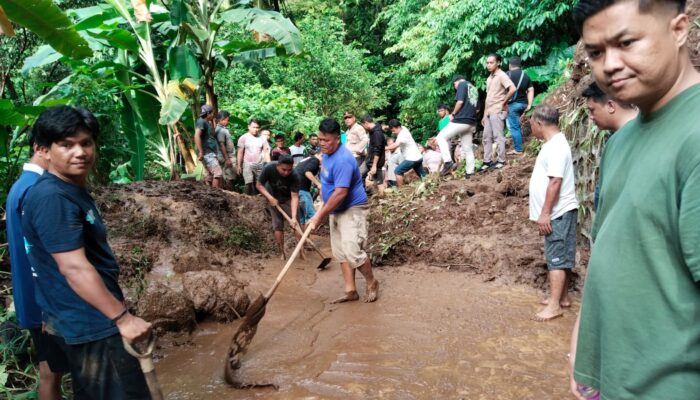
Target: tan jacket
(356, 138)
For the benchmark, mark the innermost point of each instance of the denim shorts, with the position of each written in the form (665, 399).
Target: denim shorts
(560, 245)
(306, 207)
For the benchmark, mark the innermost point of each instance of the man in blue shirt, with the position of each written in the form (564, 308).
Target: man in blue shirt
(75, 273)
(52, 359)
(345, 200)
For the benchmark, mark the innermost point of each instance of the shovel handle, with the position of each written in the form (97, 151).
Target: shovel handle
(298, 230)
(146, 363)
(289, 263)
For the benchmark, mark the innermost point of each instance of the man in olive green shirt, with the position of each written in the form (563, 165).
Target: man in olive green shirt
(638, 334)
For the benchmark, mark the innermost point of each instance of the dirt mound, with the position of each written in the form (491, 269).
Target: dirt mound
(162, 230)
(217, 294)
(478, 225)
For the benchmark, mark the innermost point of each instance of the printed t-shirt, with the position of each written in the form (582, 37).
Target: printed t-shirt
(26, 308)
(408, 146)
(640, 333)
(340, 170)
(469, 94)
(280, 187)
(253, 148)
(209, 144)
(310, 164)
(520, 95)
(553, 161)
(59, 217)
(497, 86)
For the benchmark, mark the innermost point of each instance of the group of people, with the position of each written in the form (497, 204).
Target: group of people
(637, 335)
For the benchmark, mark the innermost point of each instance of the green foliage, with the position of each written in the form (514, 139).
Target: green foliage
(441, 38)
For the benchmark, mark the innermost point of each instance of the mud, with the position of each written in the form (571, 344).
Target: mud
(180, 246)
(480, 225)
(433, 333)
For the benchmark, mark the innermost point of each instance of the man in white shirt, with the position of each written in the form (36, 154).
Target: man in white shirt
(413, 159)
(298, 151)
(553, 206)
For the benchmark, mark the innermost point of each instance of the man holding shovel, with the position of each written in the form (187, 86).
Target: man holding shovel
(345, 201)
(75, 273)
(280, 186)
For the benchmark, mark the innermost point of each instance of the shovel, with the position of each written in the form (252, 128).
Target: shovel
(146, 362)
(244, 335)
(326, 260)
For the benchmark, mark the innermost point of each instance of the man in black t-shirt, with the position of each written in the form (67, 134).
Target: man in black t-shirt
(207, 146)
(376, 152)
(280, 186)
(76, 275)
(462, 124)
(520, 103)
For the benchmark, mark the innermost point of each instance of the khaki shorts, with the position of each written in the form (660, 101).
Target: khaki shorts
(230, 173)
(349, 235)
(251, 172)
(212, 169)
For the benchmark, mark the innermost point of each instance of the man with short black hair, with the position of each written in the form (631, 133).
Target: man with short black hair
(75, 272)
(345, 200)
(53, 362)
(499, 91)
(376, 152)
(279, 149)
(444, 113)
(412, 157)
(298, 151)
(280, 186)
(462, 124)
(227, 149)
(638, 335)
(356, 139)
(554, 207)
(607, 114)
(207, 147)
(252, 150)
(520, 103)
(314, 147)
(308, 169)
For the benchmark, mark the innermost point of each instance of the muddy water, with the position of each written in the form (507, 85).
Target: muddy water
(433, 334)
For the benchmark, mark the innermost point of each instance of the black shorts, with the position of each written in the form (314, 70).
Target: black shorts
(51, 349)
(104, 370)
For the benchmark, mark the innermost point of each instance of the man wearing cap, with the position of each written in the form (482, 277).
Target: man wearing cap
(356, 140)
(207, 146)
(520, 103)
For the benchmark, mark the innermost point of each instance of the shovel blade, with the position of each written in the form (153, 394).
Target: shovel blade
(324, 263)
(242, 338)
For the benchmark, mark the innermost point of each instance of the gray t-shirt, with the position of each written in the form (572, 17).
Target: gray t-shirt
(223, 136)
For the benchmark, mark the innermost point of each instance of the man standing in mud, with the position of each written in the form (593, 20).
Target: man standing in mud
(251, 155)
(462, 124)
(499, 91)
(638, 335)
(553, 206)
(280, 186)
(345, 201)
(75, 272)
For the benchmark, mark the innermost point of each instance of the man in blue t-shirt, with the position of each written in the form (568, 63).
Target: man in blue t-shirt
(345, 200)
(49, 348)
(75, 272)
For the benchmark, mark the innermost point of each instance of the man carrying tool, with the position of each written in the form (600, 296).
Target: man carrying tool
(280, 186)
(345, 201)
(75, 273)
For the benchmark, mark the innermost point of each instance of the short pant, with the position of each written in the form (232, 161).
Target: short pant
(406, 166)
(560, 245)
(52, 349)
(278, 219)
(212, 169)
(102, 369)
(306, 207)
(378, 178)
(252, 171)
(229, 172)
(349, 235)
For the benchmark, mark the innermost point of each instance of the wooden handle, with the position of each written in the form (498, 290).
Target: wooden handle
(289, 263)
(299, 231)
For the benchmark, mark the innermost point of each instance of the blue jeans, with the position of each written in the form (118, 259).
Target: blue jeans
(306, 207)
(406, 166)
(515, 111)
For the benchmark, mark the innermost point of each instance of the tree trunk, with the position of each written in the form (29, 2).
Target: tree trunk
(184, 149)
(209, 87)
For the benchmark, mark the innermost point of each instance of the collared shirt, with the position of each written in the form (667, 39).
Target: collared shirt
(496, 92)
(356, 140)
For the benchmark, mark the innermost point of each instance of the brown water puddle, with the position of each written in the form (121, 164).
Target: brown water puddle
(432, 334)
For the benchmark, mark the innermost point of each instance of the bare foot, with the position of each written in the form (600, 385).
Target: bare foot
(372, 292)
(548, 314)
(302, 255)
(349, 296)
(283, 256)
(566, 303)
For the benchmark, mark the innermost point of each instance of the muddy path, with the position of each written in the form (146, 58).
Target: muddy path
(433, 334)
